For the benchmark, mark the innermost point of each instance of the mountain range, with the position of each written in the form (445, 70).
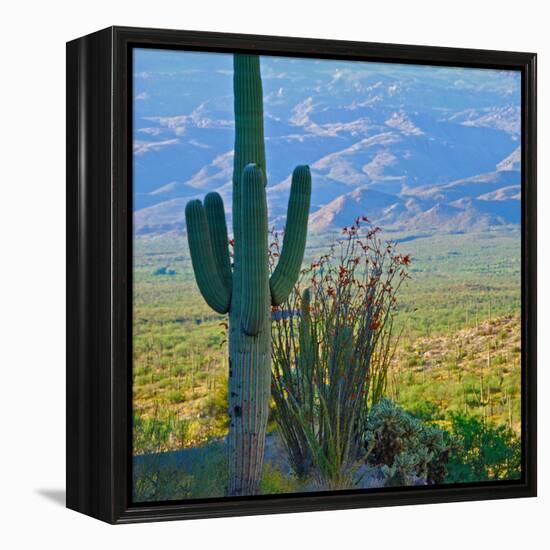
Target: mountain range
(410, 147)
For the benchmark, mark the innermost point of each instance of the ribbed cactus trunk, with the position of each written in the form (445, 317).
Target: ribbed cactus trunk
(249, 337)
(249, 354)
(247, 292)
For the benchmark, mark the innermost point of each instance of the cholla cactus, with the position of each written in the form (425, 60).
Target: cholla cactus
(247, 292)
(409, 451)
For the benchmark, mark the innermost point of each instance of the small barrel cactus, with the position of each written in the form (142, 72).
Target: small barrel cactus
(246, 291)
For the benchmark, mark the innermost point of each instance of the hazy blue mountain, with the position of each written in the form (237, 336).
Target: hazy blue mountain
(405, 145)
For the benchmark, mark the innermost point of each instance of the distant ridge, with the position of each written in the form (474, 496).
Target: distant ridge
(407, 146)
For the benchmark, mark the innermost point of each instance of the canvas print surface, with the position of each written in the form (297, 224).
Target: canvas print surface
(326, 275)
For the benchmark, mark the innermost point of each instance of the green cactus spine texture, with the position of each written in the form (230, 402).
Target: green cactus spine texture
(246, 291)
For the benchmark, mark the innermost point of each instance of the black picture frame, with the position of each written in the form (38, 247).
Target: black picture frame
(99, 278)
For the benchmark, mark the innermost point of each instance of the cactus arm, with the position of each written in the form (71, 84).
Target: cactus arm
(202, 258)
(286, 273)
(254, 267)
(215, 215)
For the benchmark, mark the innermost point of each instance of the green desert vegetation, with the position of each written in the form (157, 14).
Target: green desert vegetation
(360, 360)
(473, 369)
(458, 353)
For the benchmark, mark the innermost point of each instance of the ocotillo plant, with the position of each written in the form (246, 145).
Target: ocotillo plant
(331, 353)
(247, 292)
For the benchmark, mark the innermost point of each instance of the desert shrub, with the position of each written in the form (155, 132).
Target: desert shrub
(332, 345)
(481, 451)
(425, 411)
(275, 482)
(157, 477)
(216, 405)
(175, 396)
(159, 432)
(408, 450)
(164, 270)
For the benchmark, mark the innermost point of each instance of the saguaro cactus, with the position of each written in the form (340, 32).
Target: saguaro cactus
(246, 292)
